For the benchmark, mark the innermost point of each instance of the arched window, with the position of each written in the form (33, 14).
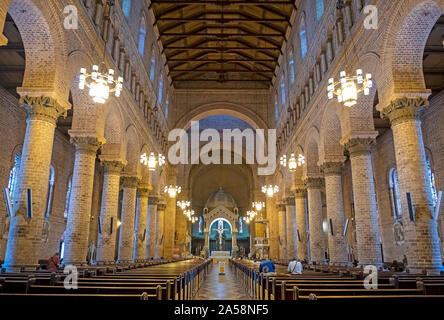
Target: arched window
(50, 191)
(68, 195)
(303, 37)
(291, 66)
(276, 110)
(160, 90)
(142, 36)
(431, 176)
(153, 67)
(167, 103)
(283, 93)
(319, 9)
(395, 194)
(62, 249)
(126, 7)
(200, 224)
(14, 174)
(241, 225)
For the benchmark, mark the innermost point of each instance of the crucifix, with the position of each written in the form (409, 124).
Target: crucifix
(220, 229)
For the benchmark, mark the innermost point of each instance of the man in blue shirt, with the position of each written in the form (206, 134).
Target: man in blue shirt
(267, 266)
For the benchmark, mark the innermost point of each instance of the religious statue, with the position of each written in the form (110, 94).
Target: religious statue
(398, 231)
(220, 229)
(45, 231)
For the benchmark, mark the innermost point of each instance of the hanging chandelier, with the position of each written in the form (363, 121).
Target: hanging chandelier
(258, 205)
(172, 191)
(293, 163)
(192, 219)
(189, 213)
(183, 204)
(100, 82)
(270, 190)
(348, 88)
(250, 216)
(152, 161)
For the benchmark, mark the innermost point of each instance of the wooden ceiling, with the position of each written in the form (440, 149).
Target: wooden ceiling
(222, 43)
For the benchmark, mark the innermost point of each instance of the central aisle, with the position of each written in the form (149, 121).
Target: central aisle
(221, 287)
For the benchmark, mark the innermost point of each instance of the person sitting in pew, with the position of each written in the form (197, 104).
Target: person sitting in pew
(267, 267)
(54, 262)
(295, 266)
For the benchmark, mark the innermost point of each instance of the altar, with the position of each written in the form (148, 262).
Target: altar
(220, 256)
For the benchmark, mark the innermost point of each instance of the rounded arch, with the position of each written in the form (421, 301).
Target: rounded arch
(330, 148)
(311, 167)
(403, 47)
(223, 219)
(113, 132)
(45, 50)
(132, 151)
(222, 108)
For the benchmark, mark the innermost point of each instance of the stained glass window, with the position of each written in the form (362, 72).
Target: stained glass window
(431, 176)
(142, 36)
(50, 191)
(126, 8)
(241, 225)
(200, 224)
(153, 68)
(68, 195)
(395, 194)
(319, 9)
(14, 174)
(303, 37)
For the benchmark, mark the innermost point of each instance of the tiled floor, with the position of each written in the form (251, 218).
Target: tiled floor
(221, 287)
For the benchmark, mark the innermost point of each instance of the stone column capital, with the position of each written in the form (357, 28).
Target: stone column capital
(313, 183)
(289, 201)
(280, 206)
(112, 166)
(43, 108)
(161, 206)
(332, 168)
(404, 109)
(153, 200)
(299, 192)
(359, 146)
(86, 142)
(143, 190)
(130, 181)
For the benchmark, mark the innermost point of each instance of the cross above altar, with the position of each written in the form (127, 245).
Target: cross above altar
(220, 229)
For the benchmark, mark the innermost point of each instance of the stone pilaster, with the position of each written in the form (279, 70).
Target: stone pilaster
(335, 213)
(290, 215)
(317, 243)
(25, 234)
(79, 214)
(152, 227)
(160, 229)
(421, 235)
(366, 211)
(261, 230)
(282, 231)
(301, 223)
(126, 240)
(169, 228)
(108, 215)
(141, 220)
(235, 248)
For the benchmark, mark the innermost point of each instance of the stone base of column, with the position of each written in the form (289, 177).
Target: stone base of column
(102, 263)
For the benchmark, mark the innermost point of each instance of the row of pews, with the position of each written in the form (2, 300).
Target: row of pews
(326, 283)
(152, 280)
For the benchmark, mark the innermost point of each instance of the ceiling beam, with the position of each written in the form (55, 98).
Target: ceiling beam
(223, 3)
(221, 49)
(222, 35)
(220, 71)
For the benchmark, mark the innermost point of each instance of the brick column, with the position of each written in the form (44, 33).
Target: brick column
(290, 226)
(79, 214)
(235, 248)
(141, 220)
(108, 215)
(335, 213)
(126, 240)
(301, 223)
(152, 227)
(25, 234)
(282, 231)
(317, 247)
(421, 235)
(366, 211)
(160, 229)
(169, 228)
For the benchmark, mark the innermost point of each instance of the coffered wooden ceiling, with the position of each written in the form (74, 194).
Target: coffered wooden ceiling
(222, 43)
